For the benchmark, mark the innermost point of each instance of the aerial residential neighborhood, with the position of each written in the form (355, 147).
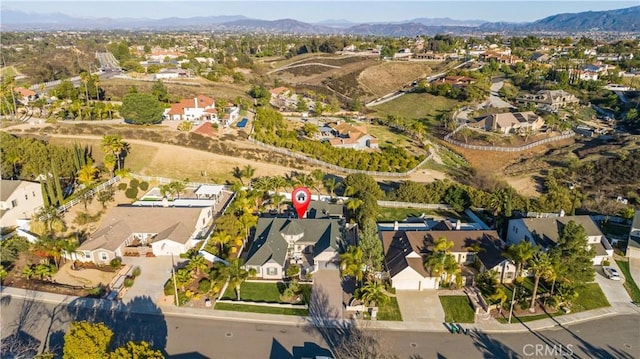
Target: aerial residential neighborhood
(265, 180)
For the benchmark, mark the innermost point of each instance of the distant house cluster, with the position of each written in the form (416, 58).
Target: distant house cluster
(346, 135)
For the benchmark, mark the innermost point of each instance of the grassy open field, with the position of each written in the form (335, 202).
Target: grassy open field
(9, 71)
(117, 88)
(416, 106)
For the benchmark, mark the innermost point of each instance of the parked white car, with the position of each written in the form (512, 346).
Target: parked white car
(611, 273)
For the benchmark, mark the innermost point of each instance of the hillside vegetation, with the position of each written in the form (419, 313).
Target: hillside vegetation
(387, 77)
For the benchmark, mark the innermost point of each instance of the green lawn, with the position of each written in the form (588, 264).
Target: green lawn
(629, 284)
(390, 311)
(590, 296)
(416, 106)
(261, 309)
(457, 309)
(387, 136)
(263, 292)
(388, 214)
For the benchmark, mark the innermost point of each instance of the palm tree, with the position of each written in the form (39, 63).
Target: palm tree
(96, 83)
(277, 199)
(435, 264)
(540, 264)
(499, 296)
(353, 205)
(44, 270)
(331, 184)
(278, 182)
(235, 274)
(237, 173)
(183, 277)
(221, 238)
(87, 174)
(177, 187)
(197, 264)
(520, 253)
(352, 263)
(305, 180)
(248, 171)
(247, 220)
(84, 78)
(451, 267)
(318, 176)
(113, 144)
(27, 272)
(373, 293)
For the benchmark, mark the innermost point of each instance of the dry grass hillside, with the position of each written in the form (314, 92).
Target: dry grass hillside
(117, 88)
(387, 77)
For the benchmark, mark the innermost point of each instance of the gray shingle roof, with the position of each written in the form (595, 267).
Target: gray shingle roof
(7, 187)
(269, 244)
(546, 231)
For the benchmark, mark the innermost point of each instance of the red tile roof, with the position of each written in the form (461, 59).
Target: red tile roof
(203, 101)
(206, 129)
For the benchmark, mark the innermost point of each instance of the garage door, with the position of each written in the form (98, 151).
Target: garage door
(328, 265)
(406, 284)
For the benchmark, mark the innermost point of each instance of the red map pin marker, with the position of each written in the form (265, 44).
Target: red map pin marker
(301, 197)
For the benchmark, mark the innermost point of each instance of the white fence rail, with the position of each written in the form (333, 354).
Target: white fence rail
(91, 192)
(395, 204)
(449, 138)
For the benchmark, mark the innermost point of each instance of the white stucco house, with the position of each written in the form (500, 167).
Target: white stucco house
(545, 232)
(405, 252)
(19, 200)
(138, 230)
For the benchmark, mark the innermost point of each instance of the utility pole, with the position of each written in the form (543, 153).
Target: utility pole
(512, 301)
(175, 284)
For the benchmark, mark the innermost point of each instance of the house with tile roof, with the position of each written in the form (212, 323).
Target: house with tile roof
(346, 135)
(160, 230)
(405, 252)
(199, 108)
(545, 232)
(311, 243)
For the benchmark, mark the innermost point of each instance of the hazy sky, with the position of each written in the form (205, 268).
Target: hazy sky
(310, 11)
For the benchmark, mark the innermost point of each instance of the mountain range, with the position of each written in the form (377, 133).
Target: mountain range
(621, 20)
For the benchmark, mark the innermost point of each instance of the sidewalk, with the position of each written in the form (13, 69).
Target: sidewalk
(490, 326)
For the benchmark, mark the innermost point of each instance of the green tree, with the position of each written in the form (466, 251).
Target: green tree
(573, 255)
(141, 109)
(159, 90)
(235, 274)
(221, 238)
(373, 293)
(352, 263)
(87, 174)
(113, 145)
(371, 246)
(540, 264)
(133, 350)
(499, 296)
(86, 340)
(520, 253)
(106, 195)
(197, 264)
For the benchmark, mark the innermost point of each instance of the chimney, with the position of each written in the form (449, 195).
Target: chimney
(562, 213)
(458, 225)
(195, 101)
(395, 226)
(165, 202)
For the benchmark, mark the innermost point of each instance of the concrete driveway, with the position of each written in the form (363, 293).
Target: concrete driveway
(420, 306)
(155, 273)
(326, 296)
(613, 289)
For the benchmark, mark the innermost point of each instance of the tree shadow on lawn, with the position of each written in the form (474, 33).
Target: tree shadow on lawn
(138, 320)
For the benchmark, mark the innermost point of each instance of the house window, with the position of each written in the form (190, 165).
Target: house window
(509, 275)
(87, 255)
(272, 271)
(103, 256)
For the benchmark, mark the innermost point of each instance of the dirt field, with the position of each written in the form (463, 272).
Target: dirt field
(387, 77)
(493, 164)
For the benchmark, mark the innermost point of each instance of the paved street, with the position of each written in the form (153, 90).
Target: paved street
(191, 336)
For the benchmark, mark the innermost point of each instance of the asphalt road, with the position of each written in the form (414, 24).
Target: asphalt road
(188, 337)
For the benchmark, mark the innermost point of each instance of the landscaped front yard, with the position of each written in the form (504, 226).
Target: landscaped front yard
(390, 311)
(457, 309)
(264, 292)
